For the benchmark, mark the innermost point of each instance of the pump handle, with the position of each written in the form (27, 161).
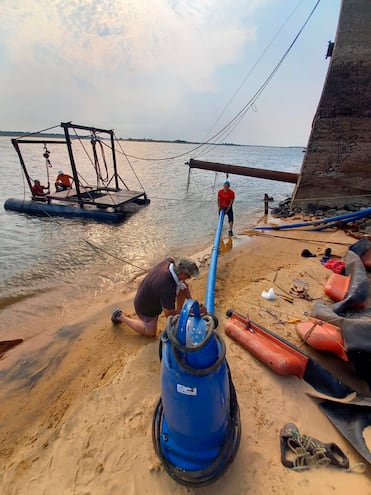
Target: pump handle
(189, 305)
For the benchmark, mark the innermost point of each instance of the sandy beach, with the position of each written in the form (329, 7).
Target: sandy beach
(82, 424)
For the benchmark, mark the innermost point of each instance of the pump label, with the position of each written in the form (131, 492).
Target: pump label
(182, 389)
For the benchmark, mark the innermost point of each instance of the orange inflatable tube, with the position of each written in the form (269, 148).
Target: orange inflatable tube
(337, 286)
(322, 336)
(275, 353)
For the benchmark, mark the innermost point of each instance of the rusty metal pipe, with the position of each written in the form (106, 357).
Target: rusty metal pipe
(248, 171)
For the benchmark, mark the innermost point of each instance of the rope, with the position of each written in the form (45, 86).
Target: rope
(126, 156)
(312, 453)
(98, 171)
(98, 248)
(308, 453)
(37, 132)
(309, 333)
(81, 178)
(48, 164)
(89, 243)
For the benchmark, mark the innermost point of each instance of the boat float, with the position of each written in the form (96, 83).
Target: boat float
(104, 196)
(281, 356)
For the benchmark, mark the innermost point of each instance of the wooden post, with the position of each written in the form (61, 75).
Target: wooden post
(266, 199)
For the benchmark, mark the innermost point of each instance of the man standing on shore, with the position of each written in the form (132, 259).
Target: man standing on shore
(165, 289)
(225, 201)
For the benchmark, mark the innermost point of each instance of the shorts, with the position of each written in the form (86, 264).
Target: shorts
(229, 214)
(150, 322)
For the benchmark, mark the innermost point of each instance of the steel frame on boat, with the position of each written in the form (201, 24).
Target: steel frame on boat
(106, 202)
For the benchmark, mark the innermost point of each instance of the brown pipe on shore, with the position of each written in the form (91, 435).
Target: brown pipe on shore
(251, 172)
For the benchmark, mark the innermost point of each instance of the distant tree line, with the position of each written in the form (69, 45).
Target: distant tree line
(140, 140)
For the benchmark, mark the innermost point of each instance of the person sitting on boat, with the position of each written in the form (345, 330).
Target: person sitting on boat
(38, 189)
(63, 181)
(165, 289)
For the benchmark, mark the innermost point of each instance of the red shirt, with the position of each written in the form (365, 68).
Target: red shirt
(64, 179)
(38, 190)
(225, 197)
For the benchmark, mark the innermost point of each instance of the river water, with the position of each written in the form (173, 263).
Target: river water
(53, 262)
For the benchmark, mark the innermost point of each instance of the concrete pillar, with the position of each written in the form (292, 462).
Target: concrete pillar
(336, 168)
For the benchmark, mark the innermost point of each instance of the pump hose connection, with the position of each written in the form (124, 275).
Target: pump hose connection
(170, 334)
(229, 448)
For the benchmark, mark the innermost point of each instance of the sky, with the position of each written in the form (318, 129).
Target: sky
(166, 69)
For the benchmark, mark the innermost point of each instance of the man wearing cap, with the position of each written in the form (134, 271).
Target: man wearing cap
(165, 289)
(63, 181)
(225, 202)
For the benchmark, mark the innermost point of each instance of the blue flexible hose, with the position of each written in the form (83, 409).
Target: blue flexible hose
(348, 217)
(211, 280)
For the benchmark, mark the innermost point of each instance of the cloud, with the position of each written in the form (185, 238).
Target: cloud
(136, 51)
(151, 68)
(136, 38)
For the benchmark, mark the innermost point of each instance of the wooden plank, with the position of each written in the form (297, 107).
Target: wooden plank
(118, 198)
(68, 194)
(111, 198)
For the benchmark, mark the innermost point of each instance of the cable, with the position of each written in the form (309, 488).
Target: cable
(230, 126)
(253, 68)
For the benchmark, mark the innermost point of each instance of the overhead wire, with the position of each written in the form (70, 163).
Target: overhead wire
(228, 128)
(253, 68)
(37, 132)
(225, 131)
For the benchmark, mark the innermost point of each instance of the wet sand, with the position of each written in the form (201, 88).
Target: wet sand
(76, 417)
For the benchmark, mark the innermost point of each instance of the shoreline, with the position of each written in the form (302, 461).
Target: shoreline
(82, 422)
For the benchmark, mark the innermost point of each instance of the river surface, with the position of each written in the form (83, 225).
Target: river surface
(52, 262)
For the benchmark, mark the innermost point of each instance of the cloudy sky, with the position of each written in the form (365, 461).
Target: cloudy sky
(166, 69)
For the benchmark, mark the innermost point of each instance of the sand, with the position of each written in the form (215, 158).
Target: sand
(82, 424)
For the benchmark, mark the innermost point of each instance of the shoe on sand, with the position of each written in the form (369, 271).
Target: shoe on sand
(115, 315)
(307, 254)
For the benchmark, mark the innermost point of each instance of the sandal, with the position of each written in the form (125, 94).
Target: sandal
(307, 451)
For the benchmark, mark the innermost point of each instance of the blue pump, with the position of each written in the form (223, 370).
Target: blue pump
(196, 425)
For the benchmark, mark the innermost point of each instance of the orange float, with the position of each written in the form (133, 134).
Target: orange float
(337, 286)
(275, 353)
(322, 336)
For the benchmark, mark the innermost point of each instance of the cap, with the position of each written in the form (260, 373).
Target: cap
(189, 266)
(227, 183)
(60, 172)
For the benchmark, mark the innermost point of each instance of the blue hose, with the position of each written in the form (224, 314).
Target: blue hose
(211, 280)
(348, 217)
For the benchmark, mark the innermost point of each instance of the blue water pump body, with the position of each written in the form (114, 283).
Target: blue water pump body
(197, 434)
(196, 407)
